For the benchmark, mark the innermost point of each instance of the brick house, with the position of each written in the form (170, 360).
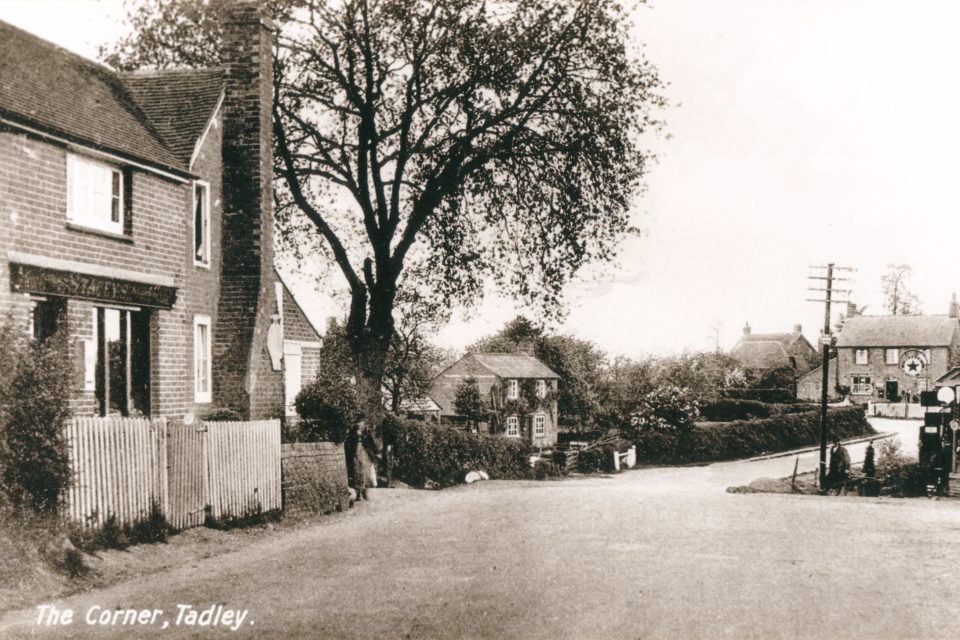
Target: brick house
(136, 218)
(773, 350)
(519, 390)
(894, 358)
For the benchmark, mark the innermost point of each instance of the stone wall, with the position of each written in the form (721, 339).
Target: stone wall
(314, 477)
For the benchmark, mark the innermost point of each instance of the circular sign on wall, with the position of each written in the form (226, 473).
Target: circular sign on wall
(913, 362)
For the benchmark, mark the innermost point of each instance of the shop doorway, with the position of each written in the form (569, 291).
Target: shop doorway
(893, 391)
(122, 378)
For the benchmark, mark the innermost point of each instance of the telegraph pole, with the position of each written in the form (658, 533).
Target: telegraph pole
(821, 274)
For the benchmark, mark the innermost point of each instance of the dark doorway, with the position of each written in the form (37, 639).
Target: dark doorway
(123, 362)
(893, 391)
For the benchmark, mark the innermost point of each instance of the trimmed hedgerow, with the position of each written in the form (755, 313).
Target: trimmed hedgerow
(761, 395)
(423, 451)
(745, 438)
(728, 409)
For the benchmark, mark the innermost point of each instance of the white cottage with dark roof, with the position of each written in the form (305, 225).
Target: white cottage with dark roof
(520, 391)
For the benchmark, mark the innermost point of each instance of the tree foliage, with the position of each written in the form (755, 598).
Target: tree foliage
(897, 298)
(468, 142)
(468, 402)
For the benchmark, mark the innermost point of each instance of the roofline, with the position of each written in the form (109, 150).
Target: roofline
(86, 146)
(199, 143)
(296, 302)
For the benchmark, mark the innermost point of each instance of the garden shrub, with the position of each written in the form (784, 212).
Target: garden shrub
(328, 408)
(596, 460)
(726, 409)
(425, 451)
(545, 469)
(34, 397)
(222, 414)
(898, 474)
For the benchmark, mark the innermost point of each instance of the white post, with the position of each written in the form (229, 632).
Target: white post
(616, 460)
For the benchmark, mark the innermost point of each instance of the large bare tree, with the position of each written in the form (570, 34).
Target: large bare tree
(451, 145)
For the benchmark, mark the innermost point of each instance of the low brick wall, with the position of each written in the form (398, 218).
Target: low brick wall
(314, 477)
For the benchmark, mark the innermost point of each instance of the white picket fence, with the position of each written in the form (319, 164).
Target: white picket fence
(121, 467)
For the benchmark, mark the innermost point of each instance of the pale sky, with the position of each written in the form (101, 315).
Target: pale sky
(800, 132)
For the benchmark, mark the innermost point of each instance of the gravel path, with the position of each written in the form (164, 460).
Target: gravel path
(654, 553)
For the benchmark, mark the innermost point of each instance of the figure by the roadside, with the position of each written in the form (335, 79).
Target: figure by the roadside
(946, 462)
(839, 467)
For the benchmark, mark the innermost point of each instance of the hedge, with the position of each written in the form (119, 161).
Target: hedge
(746, 438)
(727, 409)
(424, 451)
(761, 395)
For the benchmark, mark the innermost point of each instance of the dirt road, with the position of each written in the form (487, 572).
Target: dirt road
(657, 553)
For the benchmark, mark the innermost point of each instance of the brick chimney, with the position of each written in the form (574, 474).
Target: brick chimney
(852, 310)
(954, 307)
(746, 329)
(797, 329)
(244, 379)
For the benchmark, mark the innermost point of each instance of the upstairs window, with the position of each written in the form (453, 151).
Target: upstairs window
(201, 224)
(861, 356)
(893, 356)
(94, 194)
(513, 389)
(541, 388)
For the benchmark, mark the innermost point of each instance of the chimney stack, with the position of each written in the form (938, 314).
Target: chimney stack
(746, 329)
(797, 329)
(246, 380)
(954, 306)
(852, 310)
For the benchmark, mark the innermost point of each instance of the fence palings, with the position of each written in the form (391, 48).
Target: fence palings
(243, 467)
(118, 468)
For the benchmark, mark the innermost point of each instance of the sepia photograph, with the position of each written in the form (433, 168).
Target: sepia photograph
(479, 319)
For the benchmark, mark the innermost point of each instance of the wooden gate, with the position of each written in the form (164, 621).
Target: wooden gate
(118, 468)
(243, 467)
(187, 473)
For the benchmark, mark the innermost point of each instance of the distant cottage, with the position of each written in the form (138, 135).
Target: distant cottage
(518, 389)
(761, 351)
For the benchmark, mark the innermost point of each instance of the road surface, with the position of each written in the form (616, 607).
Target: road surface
(653, 553)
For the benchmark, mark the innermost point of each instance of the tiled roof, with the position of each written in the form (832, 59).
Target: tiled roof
(761, 354)
(48, 88)
(514, 365)
(897, 331)
(178, 103)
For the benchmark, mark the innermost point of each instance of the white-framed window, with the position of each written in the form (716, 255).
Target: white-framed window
(513, 389)
(201, 359)
(539, 424)
(94, 194)
(861, 386)
(513, 427)
(541, 388)
(861, 356)
(893, 356)
(201, 224)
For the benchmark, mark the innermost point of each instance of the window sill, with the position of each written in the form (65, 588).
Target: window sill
(73, 226)
(202, 265)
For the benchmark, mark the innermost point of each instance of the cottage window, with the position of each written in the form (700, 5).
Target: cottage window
(539, 425)
(513, 389)
(513, 427)
(862, 356)
(122, 370)
(201, 359)
(201, 224)
(541, 388)
(94, 194)
(893, 356)
(862, 386)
